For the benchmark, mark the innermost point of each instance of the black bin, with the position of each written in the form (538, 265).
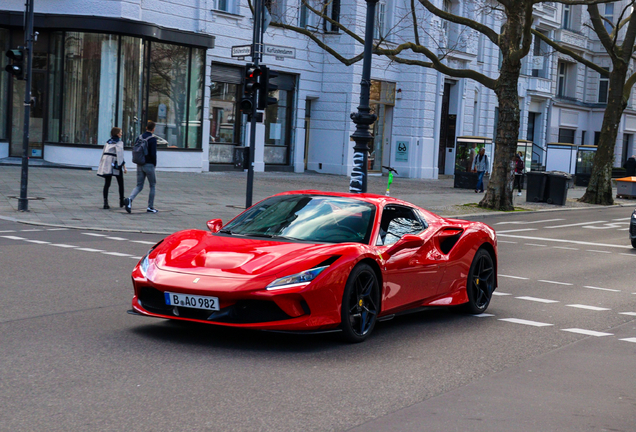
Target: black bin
(241, 157)
(557, 187)
(536, 187)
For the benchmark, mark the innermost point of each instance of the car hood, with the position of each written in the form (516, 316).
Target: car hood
(206, 254)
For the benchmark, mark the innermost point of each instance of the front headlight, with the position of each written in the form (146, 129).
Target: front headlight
(296, 280)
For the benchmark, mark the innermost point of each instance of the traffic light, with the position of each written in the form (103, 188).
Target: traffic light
(266, 86)
(16, 67)
(250, 87)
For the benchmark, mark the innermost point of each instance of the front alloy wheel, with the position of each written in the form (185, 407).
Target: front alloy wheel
(360, 304)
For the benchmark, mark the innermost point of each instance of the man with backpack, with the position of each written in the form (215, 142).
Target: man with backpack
(145, 156)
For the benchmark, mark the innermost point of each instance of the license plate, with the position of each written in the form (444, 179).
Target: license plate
(192, 301)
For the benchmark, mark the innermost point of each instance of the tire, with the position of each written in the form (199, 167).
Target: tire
(634, 242)
(360, 304)
(480, 283)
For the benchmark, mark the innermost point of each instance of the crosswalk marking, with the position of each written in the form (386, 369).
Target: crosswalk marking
(587, 332)
(525, 322)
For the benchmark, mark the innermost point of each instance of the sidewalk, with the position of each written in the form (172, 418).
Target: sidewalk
(73, 198)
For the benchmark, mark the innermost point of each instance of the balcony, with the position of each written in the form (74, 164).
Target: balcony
(542, 86)
(571, 39)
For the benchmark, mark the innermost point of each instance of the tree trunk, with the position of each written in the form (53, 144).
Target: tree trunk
(599, 190)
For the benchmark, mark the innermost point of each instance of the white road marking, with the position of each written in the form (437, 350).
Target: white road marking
(606, 226)
(628, 254)
(555, 282)
(633, 340)
(57, 229)
(575, 224)
(95, 234)
(534, 299)
(525, 322)
(7, 231)
(143, 242)
(37, 241)
(497, 293)
(564, 241)
(14, 237)
(517, 230)
(135, 257)
(622, 219)
(534, 244)
(598, 251)
(627, 313)
(116, 238)
(623, 229)
(89, 250)
(30, 230)
(117, 254)
(505, 241)
(62, 245)
(483, 315)
(532, 222)
(602, 289)
(564, 247)
(594, 308)
(587, 332)
(513, 277)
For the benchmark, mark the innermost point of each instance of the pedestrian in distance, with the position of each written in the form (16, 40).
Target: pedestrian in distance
(518, 173)
(480, 166)
(630, 166)
(112, 164)
(145, 157)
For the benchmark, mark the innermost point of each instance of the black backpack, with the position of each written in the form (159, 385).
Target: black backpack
(140, 150)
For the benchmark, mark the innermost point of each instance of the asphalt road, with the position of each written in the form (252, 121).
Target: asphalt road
(555, 351)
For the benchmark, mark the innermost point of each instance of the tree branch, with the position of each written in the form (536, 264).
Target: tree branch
(601, 31)
(569, 52)
(415, 30)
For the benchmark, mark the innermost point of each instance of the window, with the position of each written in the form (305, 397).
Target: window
(448, 7)
(222, 5)
(597, 137)
(603, 87)
(380, 21)
(223, 112)
(608, 17)
(562, 79)
(276, 9)
(332, 10)
(396, 222)
(583, 137)
(539, 58)
(566, 135)
(303, 17)
(532, 117)
(567, 16)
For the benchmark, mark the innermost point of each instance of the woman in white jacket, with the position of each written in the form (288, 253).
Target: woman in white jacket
(112, 164)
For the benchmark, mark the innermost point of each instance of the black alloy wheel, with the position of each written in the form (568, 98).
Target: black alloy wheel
(360, 304)
(480, 284)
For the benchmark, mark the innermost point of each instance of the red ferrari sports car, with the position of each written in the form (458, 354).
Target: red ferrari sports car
(318, 261)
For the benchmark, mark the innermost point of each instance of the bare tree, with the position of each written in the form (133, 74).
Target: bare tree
(619, 44)
(513, 39)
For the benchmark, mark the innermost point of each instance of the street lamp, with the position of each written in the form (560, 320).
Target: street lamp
(363, 119)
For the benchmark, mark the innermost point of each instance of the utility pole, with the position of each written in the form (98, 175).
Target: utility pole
(23, 201)
(257, 37)
(363, 119)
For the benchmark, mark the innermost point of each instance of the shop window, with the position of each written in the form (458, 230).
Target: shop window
(4, 84)
(130, 86)
(223, 112)
(278, 121)
(566, 135)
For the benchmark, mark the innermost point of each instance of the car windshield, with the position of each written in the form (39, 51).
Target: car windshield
(310, 218)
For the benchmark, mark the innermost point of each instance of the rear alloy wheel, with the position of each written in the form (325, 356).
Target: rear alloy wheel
(360, 304)
(480, 283)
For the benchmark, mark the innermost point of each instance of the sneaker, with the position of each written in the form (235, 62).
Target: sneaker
(519, 194)
(151, 210)
(128, 204)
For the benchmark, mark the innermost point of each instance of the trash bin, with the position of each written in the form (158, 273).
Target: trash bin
(557, 187)
(626, 187)
(536, 187)
(241, 157)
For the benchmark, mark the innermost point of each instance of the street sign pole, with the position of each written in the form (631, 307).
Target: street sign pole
(256, 53)
(23, 202)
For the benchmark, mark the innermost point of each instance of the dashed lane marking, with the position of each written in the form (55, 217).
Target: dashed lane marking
(7, 231)
(37, 241)
(525, 322)
(633, 340)
(484, 315)
(117, 238)
(587, 332)
(576, 242)
(497, 293)
(144, 242)
(89, 250)
(565, 247)
(602, 289)
(628, 254)
(506, 241)
(119, 254)
(517, 230)
(598, 251)
(135, 257)
(13, 237)
(534, 244)
(532, 222)
(627, 313)
(62, 245)
(622, 219)
(31, 230)
(593, 308)
(95, 234)
(555, 282)
(513, 277)
(535, 299)
(574, 224)
(57, 229)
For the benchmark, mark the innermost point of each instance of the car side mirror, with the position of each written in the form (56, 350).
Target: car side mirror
(407, 241)
(214, 225)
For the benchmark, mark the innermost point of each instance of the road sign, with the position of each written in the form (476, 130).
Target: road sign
(279, 51)
(241, 50)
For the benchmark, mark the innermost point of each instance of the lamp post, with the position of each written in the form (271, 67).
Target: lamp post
(363, 119)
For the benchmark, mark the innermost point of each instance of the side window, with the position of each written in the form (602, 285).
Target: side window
(396, 222)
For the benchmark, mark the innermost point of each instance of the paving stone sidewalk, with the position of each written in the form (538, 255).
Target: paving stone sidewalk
(73, 198)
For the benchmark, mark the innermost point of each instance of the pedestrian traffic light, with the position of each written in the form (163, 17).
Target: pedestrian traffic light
(266, 86)
(250, 88)
(16, 67)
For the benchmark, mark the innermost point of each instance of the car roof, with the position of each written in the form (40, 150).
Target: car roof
(378, 200)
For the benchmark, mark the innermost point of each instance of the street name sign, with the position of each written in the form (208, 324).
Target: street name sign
(279, 51)
(241, 50)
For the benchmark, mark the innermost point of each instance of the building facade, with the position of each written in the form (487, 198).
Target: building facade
(99, 64)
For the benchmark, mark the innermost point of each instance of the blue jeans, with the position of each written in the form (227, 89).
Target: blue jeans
(143, 171)
(480, 181)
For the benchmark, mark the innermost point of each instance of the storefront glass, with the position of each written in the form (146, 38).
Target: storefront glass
(130, 88)
(195, 109)
(55, 87)
(4, 84)
(223, 112)
(90, 80)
